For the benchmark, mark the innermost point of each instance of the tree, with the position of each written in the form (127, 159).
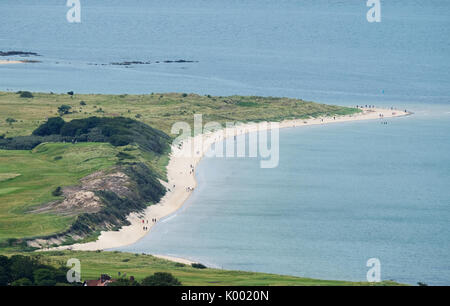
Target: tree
(198, 266)
(26, 94)
(57, 192)
(10, 120)
(44, 277)
(51, 127)
(160, 279)
(4, 276)
(22, 282)
(48, 276)
(64, 109)
(21, 267)
(121, 282)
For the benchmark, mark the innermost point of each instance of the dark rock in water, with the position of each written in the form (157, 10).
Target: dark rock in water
(19, 53)
(131, 63)
(180, 61)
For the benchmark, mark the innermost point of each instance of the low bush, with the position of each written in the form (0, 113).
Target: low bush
(57, 192)
(25, 94)
(160, 279)
(198, 266)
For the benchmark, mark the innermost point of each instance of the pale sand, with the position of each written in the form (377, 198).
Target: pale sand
(6, 62)
(179, 174)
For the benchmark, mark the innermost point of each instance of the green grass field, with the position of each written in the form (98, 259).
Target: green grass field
(95, 263)
(157, 110)
(33, 175)
(27, 178)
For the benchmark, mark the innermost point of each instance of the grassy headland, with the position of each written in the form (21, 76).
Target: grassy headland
(159, 111)
(41, 167)
(140, 265)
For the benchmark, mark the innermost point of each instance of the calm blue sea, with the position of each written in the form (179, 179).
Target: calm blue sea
(342, 193)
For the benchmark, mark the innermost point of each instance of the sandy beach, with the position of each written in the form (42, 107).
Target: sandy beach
(6, 62)
(181, 179)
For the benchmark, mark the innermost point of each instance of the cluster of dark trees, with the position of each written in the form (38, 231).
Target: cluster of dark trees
(157, 279)
(118, 131)
(21, 270)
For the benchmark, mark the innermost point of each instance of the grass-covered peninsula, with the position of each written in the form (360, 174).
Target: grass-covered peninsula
(73, 165)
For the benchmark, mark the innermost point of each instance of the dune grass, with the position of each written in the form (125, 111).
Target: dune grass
(138, 265)
(157, 110)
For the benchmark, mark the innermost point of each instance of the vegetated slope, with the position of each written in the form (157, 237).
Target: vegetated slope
(117, 131)
(141, 265)
(160, 111)
(101, 205)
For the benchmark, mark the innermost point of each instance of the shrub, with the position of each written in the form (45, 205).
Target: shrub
(123, 282)
(4, 276)
(123, 155)
(82, 103)
(57, 192)
(198, 266)
(21, 267)
(64, 109)
(22, 282)
(25, 94)
(161, 279)
(10, 120)
(52, 126)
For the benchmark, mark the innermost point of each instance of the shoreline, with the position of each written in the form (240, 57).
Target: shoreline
(181, 175)
(6, 62)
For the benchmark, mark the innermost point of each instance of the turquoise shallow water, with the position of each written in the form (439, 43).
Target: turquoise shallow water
(342, 193)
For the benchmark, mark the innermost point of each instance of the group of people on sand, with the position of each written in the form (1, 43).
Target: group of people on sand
(145, 227)
(366, 106)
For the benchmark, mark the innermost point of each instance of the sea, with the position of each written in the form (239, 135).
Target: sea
(342, 193)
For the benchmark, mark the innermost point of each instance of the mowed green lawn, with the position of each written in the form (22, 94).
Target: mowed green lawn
(138, 265)
(27, 179)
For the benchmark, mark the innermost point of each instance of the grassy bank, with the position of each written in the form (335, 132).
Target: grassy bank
(34, 175)
(159, 111)
(29, 178)
(95, 263)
